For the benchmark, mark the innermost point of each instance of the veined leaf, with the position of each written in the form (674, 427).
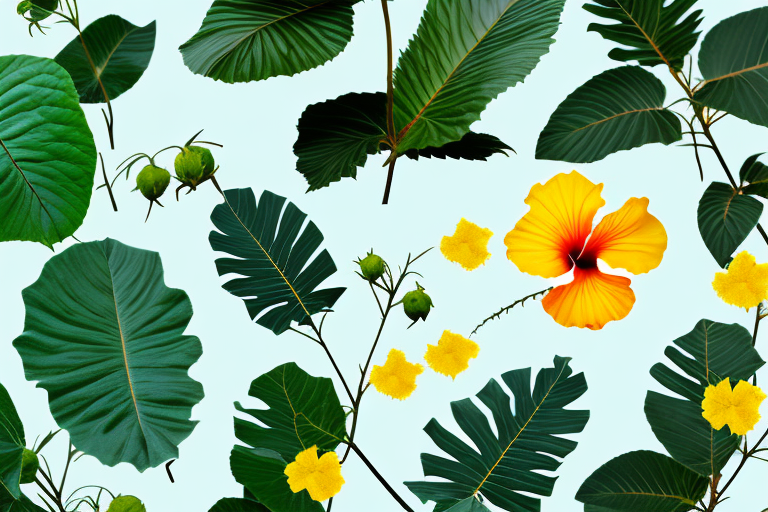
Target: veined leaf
(246, 40)
(646, 481)
(754, 177)
(273, 262)
(466, 53)
(12, 444)
(508, 463)
(734, 63)
(104, 336)
(616, 110)
(655, 33)
(472, 146)
(726, 218)
(9, 504)
(303, 411)
(45, 189)
(238, 505)
(119, 50)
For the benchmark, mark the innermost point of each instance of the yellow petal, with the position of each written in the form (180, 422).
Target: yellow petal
(591, 300)
(397, 378)
(320, 477)
(745, 284)
(451, 355)
(630, 238)
(717, 404)
(739, 407)
(468, 246)
(552, 234)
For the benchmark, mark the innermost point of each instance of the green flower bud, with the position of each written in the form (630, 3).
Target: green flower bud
(126, 504)
(194, 165)
(152, 182)
(372, 267)
(29, 466)
(37, 10)
(417, 304)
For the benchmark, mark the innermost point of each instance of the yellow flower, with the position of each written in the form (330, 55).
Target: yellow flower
(468, 246)
(451, 355)
(397, 378)
(745, 284)
(556, 236)
(737, 407)
(320, 477)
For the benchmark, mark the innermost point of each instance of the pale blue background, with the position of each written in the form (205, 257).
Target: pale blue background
(257, 122)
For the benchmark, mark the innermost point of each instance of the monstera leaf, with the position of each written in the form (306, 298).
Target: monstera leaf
(304, 411)
(466, 53)
(47, 153)
(273, 261)
(655, 33)
(104, 336)
(245, 40)
(617, 110)
(754, 177)
(724, 351)
(509, 462)
(12, 444)
(734, 64)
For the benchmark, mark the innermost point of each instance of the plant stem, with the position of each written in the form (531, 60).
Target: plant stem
(391, 132)
(56, 501)
(380, 478)
(106, 183)
(333, 361)
(390, 174)
(507, 308)
(746, 454)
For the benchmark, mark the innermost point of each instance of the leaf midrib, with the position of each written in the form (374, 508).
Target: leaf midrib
(645, 35)
(733, 74)
(98, 71)
(615, 116)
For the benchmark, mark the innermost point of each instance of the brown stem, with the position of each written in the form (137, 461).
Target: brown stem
(380, 478)
(390, 80)
(390, 175)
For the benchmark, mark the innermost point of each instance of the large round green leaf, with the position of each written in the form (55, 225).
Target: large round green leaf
(466, 53)
(246, 40)
(47, 155)
(12, 444)
(734, 63)
(104, 336)
(238, 505)
(120, 52)
(617, 110)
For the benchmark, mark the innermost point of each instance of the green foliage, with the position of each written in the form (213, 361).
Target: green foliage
(509, 462)
(246, 40)
(126, 504)
(303, 411)
(643, 480)
(619, 109)
(472, 146)
(726, 217)
(654, 32)
(273, 262)
(754, 177)
(734, 64)
(102, 331)
(46, 189)
(466, 53)
(36, 10)
(120, 52)
(23, 504)
(238, 505)
(12, 445)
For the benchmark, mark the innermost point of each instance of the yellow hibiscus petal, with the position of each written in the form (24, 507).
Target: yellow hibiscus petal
(737, 407)
(717, 404)
(629, 238)
(552, 234)
(320, 477)
(451, 355)
(744, 284)
(397, 378)
(468, 246)
(591, 300)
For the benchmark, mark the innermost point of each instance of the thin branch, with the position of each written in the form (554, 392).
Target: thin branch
(392, 135)
(106, 183)
(390, 175)
(507, 308)
(380, 478)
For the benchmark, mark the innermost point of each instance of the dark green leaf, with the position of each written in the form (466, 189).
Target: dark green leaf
(12, 444)
(23, 504)
(734, 63)
(655, 33)
(617, 110)
(726, 218)
(507, 463)
(466, 53)
(646, 481)
(245, 40)
(472, 146)
(754, 176)
(120, 52)
(104, 336)
(238, 505)
(44, 129)
(273, 262)
(36, 10)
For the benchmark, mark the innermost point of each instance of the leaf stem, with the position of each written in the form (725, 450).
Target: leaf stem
(390, 79)
(507, 308)
(380, 478)
(390, 175)
(333, 361)
(106, 182)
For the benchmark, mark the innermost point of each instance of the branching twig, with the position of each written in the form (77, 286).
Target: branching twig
(506, 309)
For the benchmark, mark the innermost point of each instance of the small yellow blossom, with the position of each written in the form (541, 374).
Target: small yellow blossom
(737, 407)
(745, 284)
(320, 477)
(397, 378)
(451, 355)
(468, 246)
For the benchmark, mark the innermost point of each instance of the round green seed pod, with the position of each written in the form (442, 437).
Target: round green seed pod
(29, 466)
(126, 504)
(417, 304)
(372, 267)
(189, 167)
(37, 10)
(152, 182)
(209, 164)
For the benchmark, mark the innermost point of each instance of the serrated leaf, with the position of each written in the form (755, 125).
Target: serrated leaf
(472, 146)
(12, 444)
(617, 110)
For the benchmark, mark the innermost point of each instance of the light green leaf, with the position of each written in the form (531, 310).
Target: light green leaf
(104, 336)
(45, 189)
(12, 444)
(466, 53)
(617, 110)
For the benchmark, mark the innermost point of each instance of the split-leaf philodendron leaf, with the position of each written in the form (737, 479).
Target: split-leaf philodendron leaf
(47, 155)
(617, 110)
(120, 52)
(507, 463)
(12, 444)
(105, 337)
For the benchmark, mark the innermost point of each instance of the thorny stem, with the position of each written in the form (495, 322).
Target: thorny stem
(380, 478)
(391, 133)
(507, 308)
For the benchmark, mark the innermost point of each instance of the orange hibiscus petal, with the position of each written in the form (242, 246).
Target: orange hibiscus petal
(629, 238)
(591, 300)
(552, 234)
